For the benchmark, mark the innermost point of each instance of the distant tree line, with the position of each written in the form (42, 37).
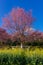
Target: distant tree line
(34, 39)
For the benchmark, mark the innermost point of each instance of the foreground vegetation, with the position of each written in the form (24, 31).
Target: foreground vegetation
(18, 56)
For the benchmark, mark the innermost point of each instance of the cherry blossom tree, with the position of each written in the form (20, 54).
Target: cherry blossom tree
(18, 20)
(35, 38)
(4, 36)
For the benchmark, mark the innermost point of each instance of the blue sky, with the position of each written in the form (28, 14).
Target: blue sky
(36, 6)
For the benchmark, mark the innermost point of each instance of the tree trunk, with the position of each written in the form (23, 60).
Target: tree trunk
(21, 45)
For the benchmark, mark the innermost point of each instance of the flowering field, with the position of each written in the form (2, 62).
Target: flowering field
(18, 56)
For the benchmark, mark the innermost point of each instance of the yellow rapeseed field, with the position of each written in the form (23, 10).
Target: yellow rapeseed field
(21, 56)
